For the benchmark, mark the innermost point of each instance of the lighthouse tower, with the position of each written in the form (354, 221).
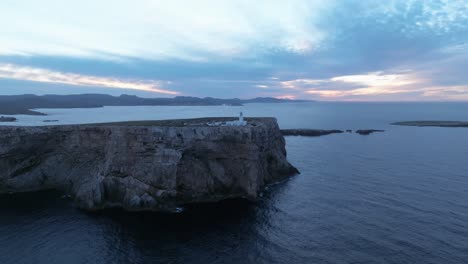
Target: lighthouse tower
(241, 121)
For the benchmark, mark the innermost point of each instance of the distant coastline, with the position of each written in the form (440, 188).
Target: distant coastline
(22, 104)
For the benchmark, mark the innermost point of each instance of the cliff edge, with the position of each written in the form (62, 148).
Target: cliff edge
(144, 165)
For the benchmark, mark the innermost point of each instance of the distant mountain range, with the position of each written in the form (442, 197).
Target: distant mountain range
(22, 104)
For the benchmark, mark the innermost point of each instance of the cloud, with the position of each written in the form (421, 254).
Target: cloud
(437, 16)
(287, 96)
(379, 85)
(300, 83)
(209, 29)
(332, 50)
(10, 71)
(456, 93)
(379, 79)
(368, 91)
(372, 79)
(370, 84)
(189, 30)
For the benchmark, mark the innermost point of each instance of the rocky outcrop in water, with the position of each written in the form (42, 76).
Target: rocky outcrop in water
(309, 132)
(7, 119)
(144, 165)
(323, 132)
(366, 132)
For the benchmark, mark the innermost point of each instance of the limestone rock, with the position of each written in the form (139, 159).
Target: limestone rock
(144, 166)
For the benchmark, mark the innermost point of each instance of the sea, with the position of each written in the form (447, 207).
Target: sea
(399, 196)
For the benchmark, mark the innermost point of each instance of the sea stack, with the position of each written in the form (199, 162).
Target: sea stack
(145, 165)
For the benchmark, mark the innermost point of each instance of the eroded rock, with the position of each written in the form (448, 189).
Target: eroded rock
(144, 167)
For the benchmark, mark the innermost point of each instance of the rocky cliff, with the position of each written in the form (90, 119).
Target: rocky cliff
(156, 165)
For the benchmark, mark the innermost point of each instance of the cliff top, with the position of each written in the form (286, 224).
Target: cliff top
(192, 122)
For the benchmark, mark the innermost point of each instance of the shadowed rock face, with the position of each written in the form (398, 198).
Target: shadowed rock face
(144, 167)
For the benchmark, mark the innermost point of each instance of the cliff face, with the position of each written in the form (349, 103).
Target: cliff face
(140, 166)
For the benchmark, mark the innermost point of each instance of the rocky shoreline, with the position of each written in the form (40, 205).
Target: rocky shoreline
(144, 165)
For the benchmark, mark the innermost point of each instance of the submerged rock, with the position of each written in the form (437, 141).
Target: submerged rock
(144, 165)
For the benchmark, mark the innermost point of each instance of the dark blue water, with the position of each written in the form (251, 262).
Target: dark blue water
(395, 197)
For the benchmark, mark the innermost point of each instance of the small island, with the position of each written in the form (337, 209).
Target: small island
(366, 132)
(324, 132)
(309, 132)
(7, 119)
(433, 123)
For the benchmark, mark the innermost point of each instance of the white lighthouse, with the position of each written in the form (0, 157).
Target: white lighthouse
(240, 122)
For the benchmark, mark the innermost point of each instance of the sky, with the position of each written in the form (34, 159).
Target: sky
(337, 50)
